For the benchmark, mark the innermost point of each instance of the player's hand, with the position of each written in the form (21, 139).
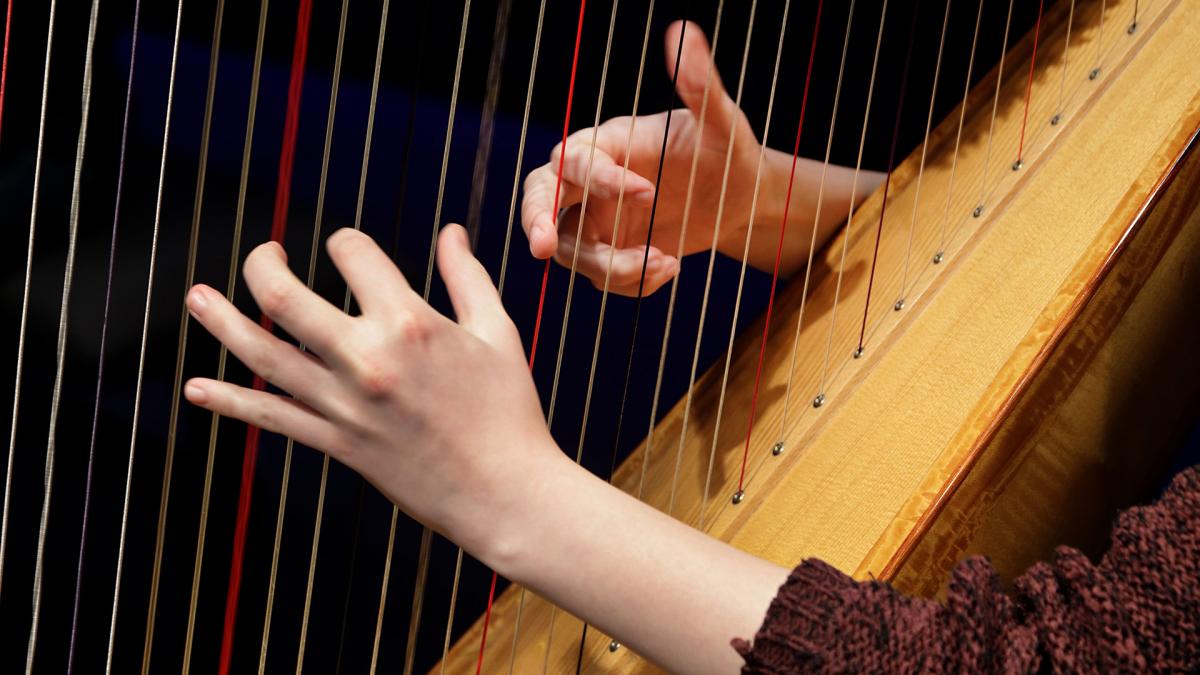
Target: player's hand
(721, 115)
(441, 416)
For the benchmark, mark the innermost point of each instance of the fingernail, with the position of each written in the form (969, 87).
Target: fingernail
(196, 302)
(195, 394)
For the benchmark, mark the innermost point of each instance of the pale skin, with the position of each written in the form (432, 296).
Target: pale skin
(379, 391)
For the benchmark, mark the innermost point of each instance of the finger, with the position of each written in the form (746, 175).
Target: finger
(539, 212)
(275, 413)
(375, 281)
(476, 302)
(269, 357)
(695, 63)
(288, 302)
(595, 258)
(587, 164)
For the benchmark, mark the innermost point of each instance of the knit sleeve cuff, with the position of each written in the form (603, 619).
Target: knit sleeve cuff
(799, 623)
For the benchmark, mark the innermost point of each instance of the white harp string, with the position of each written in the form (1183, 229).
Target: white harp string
(737, 304)
(850, 216)
(987, 155)
(962, 114)
(60, 356)
(330, 116)
(180, 351)
(562, 337)
(812, 244)
(230, 287)
(37, 180)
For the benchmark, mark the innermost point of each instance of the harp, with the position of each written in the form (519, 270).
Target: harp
(990, 356)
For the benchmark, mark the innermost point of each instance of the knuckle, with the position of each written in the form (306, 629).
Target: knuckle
(276, 297)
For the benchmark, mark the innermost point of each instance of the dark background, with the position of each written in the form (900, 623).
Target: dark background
(415, 88)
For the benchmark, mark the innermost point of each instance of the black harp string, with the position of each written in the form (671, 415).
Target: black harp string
(103, 349)
(230, 288)
(177, 386)
(820, 398)
(318, 518)
(637, 91)
(712, 254)
(710, 72)
(812, 244)
(60, 356)
(487, 121)
(637, 303)
(310, 279)
(737, 305)
(571, 277)
(22, 331)
(887, 181)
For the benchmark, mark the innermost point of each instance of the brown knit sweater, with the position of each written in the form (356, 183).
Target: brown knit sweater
(1137, 610)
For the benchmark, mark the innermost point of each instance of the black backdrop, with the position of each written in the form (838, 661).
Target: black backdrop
(354, 537)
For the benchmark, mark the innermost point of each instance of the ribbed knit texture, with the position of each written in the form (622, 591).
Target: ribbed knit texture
(1137, 610)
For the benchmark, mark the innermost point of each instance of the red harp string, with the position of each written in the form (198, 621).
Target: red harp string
(537, 324)
(762, 350)
(278, 230)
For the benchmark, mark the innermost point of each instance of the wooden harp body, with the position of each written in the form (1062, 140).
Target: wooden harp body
(1031, 381)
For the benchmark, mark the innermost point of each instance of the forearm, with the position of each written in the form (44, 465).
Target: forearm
(817, 204)
(672, 593)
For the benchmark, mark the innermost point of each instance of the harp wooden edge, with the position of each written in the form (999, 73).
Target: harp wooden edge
(1153, 217)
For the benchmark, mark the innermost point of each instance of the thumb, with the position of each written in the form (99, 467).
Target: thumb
(476, 303)
(698, 73)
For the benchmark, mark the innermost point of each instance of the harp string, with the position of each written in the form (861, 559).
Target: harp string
(61, 347)
(400, 201)
(987, 157)
(21, 333)
(812, 244)
(887, 181)
(712, 255)
(637, 92)
(230, 288)
(684, 220)
(108, 285)
(820, 399)
(637, 311)
(4, 59)
(278, 232)
(737, 305)
(330, 117)
(1062, 83)
(1037, 31)
(516, 183)
(346, 298)
(310, 279)
(562, 337)
(1099, 41)
(426, 534)
(787, 202)
(177, 386)
(512, 205)
(912, 226)
(962, 113)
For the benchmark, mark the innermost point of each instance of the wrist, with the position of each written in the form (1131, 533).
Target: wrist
(518, 527)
